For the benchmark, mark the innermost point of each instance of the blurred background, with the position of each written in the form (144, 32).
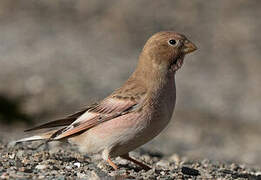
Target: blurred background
(58, 56)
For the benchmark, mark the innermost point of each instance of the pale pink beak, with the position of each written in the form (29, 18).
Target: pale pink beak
(189, 47)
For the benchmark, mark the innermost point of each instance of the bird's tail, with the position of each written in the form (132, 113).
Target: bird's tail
(44, 136)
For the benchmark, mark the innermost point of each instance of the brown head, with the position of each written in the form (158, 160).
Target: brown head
(164, 52)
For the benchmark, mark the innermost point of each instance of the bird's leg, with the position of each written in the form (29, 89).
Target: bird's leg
(143, 166)
(106, 157)
(114, 166)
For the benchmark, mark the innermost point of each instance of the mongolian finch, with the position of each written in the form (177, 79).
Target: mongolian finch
(133, 114)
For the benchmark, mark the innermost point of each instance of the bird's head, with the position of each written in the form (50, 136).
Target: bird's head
(165, 51)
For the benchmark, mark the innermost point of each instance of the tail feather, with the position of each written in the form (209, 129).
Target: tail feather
(32, 138)
(50, 135)
(44, 136)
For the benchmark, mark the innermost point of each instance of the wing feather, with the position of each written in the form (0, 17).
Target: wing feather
(107, 110)
(63, 121)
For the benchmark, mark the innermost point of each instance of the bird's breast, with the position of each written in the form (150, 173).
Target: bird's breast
(160, 108)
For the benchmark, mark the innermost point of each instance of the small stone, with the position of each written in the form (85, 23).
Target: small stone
(163, 163)
(4, 176)
(28, 170)
(19, 154)
(122, 161)
(93, 175)
(242, 166)
(82, 175)
(21, 169)
(18, 163)
(175, 158)
(41, 177)
(60, 178)
(226, 171)
(53, 172)
(258, 173)
(114, 173)
(234, 167)
(162, 173)
(68, 167)
(190, 171)
(12, 156)
(151, 171)
(146, 158)
(102, 165)
(77, 164)
(40, 167)
(55, 168)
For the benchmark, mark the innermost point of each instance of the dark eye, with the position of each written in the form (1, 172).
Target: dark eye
(172, 42)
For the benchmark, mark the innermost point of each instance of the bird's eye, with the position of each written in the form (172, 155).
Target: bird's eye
(172, 42)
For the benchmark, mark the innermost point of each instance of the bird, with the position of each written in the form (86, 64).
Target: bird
(131, 115)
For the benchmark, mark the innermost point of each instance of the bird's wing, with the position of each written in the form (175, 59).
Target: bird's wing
(66, 121)
(108, 109)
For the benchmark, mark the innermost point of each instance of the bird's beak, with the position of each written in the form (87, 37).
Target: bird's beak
(189, 47)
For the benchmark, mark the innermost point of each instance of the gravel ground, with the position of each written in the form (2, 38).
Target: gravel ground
(23, 161)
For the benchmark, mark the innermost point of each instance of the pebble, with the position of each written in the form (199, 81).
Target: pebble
(81, 175)
(55, 168)
(68, 167)
(102, 165)
(122, 161)
(4, 176)
(19, 154)
(40, 167)
(146, 158)
(190, 171)
(12, 156)
(163, 163)
(88, 175)
(41, 177)
(77, 164)
(175, 158)
(258, 173)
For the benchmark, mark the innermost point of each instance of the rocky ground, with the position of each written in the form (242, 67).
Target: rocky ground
(23, 161)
